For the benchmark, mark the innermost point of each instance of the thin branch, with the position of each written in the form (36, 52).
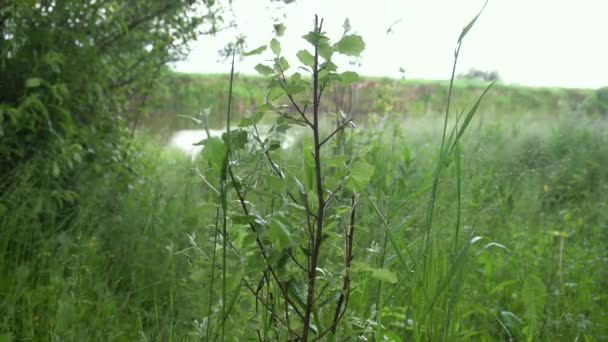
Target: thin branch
(321, 335)
(269, 308)
(296, 261)
(302, 112)
(257, 239)
(286, 302)
(348, 257)
(273, 165)
(318, 233)
(321, 90)
(341, 127)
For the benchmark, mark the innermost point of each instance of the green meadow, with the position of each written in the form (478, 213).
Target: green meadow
(517, 245)
(320, 206)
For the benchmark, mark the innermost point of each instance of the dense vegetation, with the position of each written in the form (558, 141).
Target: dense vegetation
(490, 225)
(133, 262)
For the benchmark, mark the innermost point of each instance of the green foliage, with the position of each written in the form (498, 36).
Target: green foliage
(134, 260)
(596, 104)
(288, 229)
(255, 51)
(350, 45)
(68, 73)
(67, 69)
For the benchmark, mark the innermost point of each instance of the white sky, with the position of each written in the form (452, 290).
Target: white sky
(530, 42)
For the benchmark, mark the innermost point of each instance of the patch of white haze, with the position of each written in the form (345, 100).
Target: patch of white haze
(185, 139)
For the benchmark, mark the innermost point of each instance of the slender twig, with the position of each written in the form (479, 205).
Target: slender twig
(213, 261)
(224, 199)
(309, 224)
(286, 302)
(269, 308)
(348, 257)
(258, 241)
(295, 260)
(273, 165)
(321, 90)
(341, 127)
(318, 233)
(342, 313)
(283, 82)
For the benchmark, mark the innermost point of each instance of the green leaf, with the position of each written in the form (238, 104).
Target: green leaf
(279, 29)
(469, 117)
(469, 26)
(275, 92)
(282, 62)
(296, 78)
(384, 275)
(274, 145)
(360, 266)
(330, 76)
(256, 51)
(275, 184)
(299, 186)
(266, 107)
(314, 38)
(198, 276)
(252, 120)
(306, 58)
(238, 139)
(33, 82)
(233, 281)
(325, 50)
(296, 292)
(313, 200)
(244, 219)
(279, 235)
(295, 88)
(214, 151)
(349, 77)
(329, 66)
(297, 84)
(56, 171)
(337, 161)
(350, 45)
(275, 46)
(264, 69)
(360, 174)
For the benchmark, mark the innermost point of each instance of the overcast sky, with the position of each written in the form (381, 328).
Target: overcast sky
(530, 42)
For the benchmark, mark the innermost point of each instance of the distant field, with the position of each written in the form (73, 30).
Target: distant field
(187, 94)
